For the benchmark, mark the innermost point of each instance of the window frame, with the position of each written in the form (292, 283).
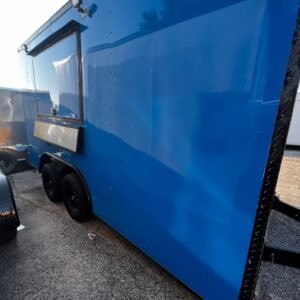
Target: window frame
(66, 31)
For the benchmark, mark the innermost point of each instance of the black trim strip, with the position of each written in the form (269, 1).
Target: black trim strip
(276, 152)
(281, 257)
(55, 37)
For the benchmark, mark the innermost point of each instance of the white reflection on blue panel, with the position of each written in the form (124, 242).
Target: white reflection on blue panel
(56, 75)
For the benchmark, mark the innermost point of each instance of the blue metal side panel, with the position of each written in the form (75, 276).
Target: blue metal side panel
(180, 99)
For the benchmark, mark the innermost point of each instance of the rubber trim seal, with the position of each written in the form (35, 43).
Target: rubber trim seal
(55, 37)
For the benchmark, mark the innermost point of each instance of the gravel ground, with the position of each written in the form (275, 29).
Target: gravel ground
(53, 257)
(283, 232)
(276, 282)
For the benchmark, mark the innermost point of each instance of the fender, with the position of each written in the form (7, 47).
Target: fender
(64, 167)
(9, 219)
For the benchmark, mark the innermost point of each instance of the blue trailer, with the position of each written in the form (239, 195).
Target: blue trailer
(168, 120)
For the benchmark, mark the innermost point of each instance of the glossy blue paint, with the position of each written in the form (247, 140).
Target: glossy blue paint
(180, 99)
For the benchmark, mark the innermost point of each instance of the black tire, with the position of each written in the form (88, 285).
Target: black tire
(8, 162)
(7, 235)
(51, 182)
(75, 197)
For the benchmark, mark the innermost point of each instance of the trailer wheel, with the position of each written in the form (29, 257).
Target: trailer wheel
(75, 198)
(7, 235)
(8, 163)
(51, 182)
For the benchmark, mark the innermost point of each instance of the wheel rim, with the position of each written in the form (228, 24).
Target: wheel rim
(72, 200)
(48, 185)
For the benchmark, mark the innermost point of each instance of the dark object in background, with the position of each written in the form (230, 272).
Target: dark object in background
(10, 158)
(12, 130)
(9, 219)
(8, 162)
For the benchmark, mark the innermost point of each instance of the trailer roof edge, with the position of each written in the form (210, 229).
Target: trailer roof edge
(54, 17)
